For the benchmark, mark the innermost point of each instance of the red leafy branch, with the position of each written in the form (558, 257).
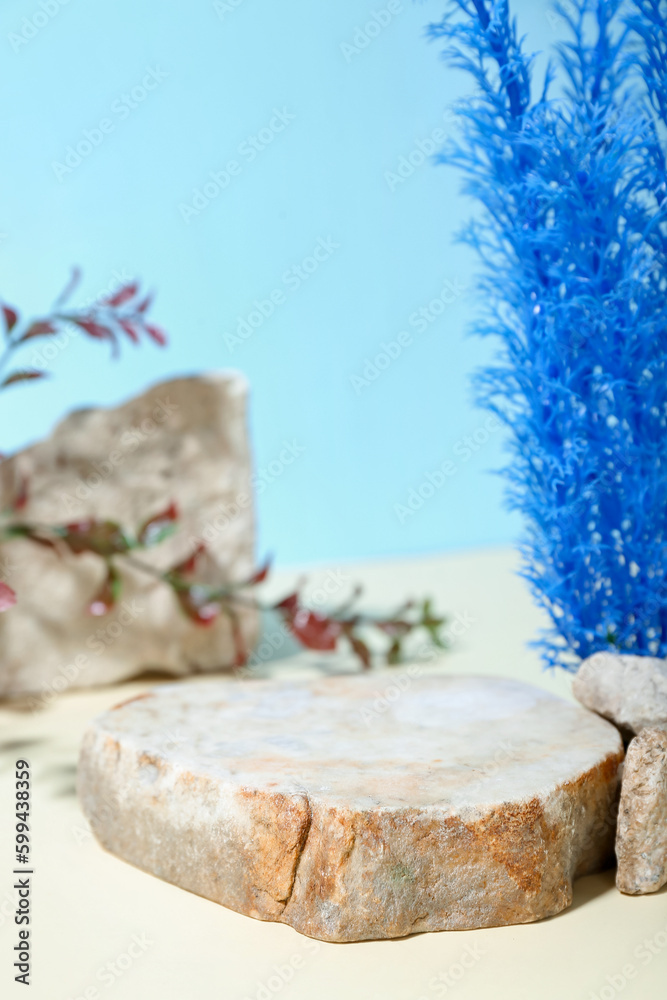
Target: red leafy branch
(204, 603)
(123, 313)
(110, 319)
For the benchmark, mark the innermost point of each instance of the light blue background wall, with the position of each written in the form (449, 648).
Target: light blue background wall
(226, 67)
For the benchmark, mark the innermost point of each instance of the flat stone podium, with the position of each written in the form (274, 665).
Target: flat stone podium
(358, 807)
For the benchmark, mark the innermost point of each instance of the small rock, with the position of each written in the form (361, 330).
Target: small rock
(629, 690)
(451, 803)
(641, 838)
(184, 441)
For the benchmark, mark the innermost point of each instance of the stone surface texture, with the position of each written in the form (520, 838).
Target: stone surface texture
(468, 802)
(631, 691)
(185, 441)
(641, 838)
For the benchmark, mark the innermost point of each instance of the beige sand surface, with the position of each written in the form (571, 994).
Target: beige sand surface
(102, 929)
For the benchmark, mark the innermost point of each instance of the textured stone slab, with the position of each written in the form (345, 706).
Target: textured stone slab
(629, 690)
(641, 839)
(468, 802)
(184, 440)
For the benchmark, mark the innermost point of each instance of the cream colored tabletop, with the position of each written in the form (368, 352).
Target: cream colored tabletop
(102, 930)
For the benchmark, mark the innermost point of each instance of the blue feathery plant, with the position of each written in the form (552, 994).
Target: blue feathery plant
(572, 235)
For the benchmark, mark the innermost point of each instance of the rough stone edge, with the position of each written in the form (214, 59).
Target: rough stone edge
(593, 854)
(32, 698)
(626, 882)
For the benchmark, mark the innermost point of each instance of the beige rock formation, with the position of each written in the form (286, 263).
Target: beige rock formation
(629, 690)
(464, 802)
(641, 839)
(185, 441)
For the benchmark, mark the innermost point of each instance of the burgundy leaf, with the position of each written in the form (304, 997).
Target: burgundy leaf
(11, 318)
(154, 528)
(21, 497)
(22, 377)
(289, 604)
(313, 630)
(93, 328)
(78, 527)
(145, 304)
(7, 597)
(97, 330)
(361, 650)
(46, 543)
(28, 531)
(261, 574)
(240, 651)
(158, 335)
(105, 538)
(189, 565)
(127, 327)
(198, 608)
(123, 295)
(41, 328)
